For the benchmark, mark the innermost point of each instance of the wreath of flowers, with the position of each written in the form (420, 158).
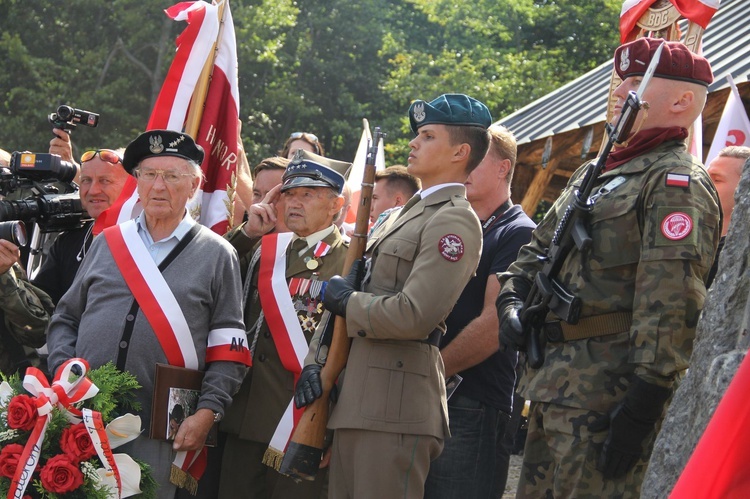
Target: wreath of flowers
(56, 440)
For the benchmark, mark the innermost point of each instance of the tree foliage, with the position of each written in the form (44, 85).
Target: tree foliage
(304, 65)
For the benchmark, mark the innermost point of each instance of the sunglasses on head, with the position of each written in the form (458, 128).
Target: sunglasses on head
(299, 135)
(107, 155)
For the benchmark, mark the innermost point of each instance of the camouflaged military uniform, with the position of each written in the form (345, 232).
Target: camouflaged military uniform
(654, 235)
(25, 314)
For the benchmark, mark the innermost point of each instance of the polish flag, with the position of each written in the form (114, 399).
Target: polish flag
(698, 11)
(354, 182)
(206, 35)
(734, 126)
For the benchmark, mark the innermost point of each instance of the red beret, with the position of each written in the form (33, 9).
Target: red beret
(676, 62)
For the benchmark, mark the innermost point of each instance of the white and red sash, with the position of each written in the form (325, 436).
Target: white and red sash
(164, 314)
(290, 341)
(145, 281)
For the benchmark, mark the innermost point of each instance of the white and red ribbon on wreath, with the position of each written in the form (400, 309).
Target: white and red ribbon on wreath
(94, 424)
(67, 388)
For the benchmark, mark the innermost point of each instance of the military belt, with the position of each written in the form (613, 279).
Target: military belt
(434, 338)
(588, 327)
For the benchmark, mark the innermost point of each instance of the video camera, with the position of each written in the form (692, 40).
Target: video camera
(38, 178)
(67, 118)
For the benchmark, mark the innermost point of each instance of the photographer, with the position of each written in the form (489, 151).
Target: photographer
(102, 179)
(24, 312)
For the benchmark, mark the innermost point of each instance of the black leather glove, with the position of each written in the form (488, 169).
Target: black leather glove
(339, 289)
(630, 425)
(509, 305)
(310, 387)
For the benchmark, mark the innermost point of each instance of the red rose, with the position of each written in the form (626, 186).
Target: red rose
(9, 456)
(22, 413)
(60, 476)
(76, 443)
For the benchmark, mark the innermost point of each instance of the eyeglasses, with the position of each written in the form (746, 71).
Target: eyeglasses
(168, 176)
(299, 135)
(107, 155)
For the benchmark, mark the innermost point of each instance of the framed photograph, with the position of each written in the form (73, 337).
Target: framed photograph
(182, 403)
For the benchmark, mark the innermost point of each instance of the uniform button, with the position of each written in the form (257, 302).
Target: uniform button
(361, 333)
(399, 364)
(267, 334)
(123, 344)
(130, 317)
(262, 357)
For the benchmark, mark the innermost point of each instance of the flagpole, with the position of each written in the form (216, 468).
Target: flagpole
(195, 111)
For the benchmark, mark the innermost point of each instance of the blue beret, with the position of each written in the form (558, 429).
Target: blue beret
(311, 170)
(449, 109)
(161, 143)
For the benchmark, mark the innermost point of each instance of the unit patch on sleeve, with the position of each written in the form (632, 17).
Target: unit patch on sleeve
(676, 226)
(451, 247)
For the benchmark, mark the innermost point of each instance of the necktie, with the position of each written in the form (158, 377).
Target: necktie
(414, 200)
(298, 245)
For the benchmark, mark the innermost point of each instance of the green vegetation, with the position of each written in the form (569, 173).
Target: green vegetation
(306, 65)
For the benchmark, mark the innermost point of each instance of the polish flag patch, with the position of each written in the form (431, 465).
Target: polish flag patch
(451, 247)
(676, 226)
(678, 180)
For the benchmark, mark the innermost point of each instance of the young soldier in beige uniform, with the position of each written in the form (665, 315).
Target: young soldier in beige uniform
(391, 418)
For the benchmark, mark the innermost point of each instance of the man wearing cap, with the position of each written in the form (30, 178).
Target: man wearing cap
(391, 418)
(285, 274)
(160, 289)
(599, 397)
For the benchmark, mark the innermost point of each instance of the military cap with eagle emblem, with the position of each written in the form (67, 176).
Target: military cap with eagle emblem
(449, 109)
(308, 169)
(161, 143)
(676, 61)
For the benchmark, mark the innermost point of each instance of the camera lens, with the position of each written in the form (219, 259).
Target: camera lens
(65, 113)
(13, 231)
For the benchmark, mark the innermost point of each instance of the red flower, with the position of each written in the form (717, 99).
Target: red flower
(60, 476)
(76, 443)
(9, 457)
(22, 413)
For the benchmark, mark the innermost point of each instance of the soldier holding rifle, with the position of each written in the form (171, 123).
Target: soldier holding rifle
(638, 270)
(391, 420)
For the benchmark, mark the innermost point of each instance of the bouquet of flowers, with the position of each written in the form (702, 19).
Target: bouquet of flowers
(56, 440)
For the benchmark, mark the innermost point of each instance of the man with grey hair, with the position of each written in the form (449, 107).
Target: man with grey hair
(285, 275)
(160, 289)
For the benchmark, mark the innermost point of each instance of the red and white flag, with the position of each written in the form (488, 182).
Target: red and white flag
(217, 132)
(354, 181)
(734, 126)
(698, 11)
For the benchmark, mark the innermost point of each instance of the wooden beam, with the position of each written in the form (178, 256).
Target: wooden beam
(535, 192)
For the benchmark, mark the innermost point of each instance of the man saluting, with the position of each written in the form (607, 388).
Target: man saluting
(285, 274)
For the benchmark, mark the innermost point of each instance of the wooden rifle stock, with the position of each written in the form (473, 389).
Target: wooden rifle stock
(304, 452)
